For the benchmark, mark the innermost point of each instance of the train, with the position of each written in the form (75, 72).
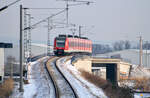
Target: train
(69, 44)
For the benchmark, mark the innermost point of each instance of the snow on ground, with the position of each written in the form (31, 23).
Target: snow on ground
(141, 95)
(139, 71)
(39, 84)
(83, 88)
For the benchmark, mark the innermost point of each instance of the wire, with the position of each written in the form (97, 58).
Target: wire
(44, 19)
(5, 7)
(44, 8)
(13, 3)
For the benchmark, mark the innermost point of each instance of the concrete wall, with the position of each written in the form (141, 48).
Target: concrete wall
(1, 63)
(124, 68)
(86, 64)
(83, 64)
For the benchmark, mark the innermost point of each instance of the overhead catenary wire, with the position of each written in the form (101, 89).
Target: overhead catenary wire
(45, 19)
(76, 1)
(13, 3)
(5, 7)
(44, 8)
(79, 4)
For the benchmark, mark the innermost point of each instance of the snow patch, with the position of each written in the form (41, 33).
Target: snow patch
(83, 88)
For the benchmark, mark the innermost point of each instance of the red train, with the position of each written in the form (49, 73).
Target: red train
(67, 44)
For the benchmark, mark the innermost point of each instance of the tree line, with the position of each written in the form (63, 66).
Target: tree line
(117, 46)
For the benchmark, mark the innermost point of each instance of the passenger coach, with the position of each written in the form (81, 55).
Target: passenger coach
(67, 44)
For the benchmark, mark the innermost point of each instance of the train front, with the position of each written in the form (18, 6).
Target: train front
(59, 45)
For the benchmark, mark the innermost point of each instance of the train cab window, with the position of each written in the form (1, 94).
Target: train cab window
(60, 42)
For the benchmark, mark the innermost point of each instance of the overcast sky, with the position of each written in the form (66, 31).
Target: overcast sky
(102, 21)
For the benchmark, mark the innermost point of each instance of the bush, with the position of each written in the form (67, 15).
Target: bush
(6, 88)
(108, 88)
(25, 81)
(140, 83)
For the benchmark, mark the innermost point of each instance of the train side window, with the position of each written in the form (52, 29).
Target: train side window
(71, 44)
(79, 44)
(75, 44)
(84, 44)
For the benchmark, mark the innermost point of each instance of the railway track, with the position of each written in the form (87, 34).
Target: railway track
(63, 88)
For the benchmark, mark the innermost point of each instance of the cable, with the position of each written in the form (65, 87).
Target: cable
(5, 7)
(44, 19)
(13, 3)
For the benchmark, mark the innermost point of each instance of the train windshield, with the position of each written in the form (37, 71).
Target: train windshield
(60, 42)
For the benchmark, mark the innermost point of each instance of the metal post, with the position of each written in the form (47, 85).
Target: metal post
(146, 54)
(79, 31)
(148, 59)
(141, 52)
(48, 38)
(21, 68)
(25, 37)
(67, 13)
(11, 68)
(29, 35)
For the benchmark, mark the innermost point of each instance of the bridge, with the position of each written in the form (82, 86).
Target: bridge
(107, 68)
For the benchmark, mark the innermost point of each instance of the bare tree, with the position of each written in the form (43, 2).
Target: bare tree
(146, 45)
(127, 44)
(119, 45)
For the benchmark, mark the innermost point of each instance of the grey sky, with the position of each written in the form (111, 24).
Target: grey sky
(104, 20)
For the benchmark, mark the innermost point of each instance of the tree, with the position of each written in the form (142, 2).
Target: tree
(146, 45)
(100, 48)
(119, 45)
(127, 44)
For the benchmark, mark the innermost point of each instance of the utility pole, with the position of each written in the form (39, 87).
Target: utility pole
(21, 67)
(11, 68)
(141, 52)
(48, 38)
(80, 31)
(73, 31)
(25, 37)
(67, 12)
(10, 61)
(146, 54)
(29, 36)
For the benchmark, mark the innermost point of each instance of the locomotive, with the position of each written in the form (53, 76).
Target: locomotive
(68, 44)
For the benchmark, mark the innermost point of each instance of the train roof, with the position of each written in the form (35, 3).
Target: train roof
(71, 36)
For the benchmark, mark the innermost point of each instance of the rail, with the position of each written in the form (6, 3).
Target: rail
(75, 94)
(52, 79)
(55, 73)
